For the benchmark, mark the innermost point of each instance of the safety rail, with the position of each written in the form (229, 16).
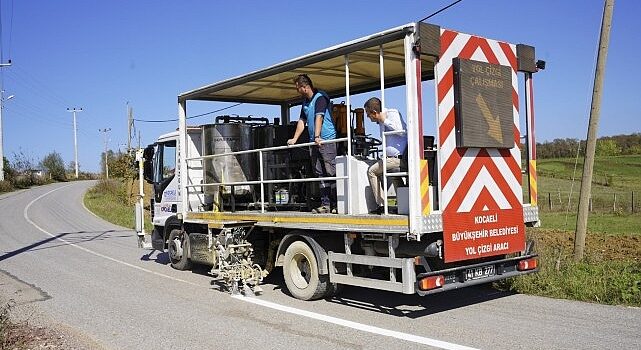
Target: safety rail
(262, 182)
(385, 172)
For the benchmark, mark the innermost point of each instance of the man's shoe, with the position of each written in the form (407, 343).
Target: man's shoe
(323, 209)
(334, 211)
(378, 211)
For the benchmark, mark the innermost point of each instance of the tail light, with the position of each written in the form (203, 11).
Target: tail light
(528, 264)
(431, 282)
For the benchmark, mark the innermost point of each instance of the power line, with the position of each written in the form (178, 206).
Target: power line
(192, 117)
(35, 116)
(22, 76)
(441, 10)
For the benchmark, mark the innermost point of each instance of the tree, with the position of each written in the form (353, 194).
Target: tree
(607, 148)
(23, 166)
(9, 171)
(54, 164)
(120, 164)
(71, 167)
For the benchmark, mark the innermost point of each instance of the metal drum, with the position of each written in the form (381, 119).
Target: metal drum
(224, 138)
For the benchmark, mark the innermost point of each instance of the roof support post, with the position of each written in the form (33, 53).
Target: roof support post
(349, 134)
(414, 134)
(284, 114)
(182, 147)
(531, 141)
(382, 74)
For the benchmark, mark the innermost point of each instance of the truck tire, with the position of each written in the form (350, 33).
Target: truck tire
(301, 273)
(177, 248)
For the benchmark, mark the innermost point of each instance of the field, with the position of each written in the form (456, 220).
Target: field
(616, 184)
(610, 273)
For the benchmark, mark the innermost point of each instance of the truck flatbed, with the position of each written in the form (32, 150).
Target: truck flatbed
(390, 223)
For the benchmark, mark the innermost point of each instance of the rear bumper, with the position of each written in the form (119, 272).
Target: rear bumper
(455, 277)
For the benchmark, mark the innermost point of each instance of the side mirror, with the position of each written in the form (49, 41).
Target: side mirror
(148, 165)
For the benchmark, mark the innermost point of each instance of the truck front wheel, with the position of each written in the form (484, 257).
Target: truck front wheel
(301, 273)
(178, 249)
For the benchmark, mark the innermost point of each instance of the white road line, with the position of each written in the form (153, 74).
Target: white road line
(26, 216)
(313, 315)
(355, 325)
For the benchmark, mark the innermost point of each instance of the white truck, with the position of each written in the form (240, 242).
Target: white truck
(233, 195)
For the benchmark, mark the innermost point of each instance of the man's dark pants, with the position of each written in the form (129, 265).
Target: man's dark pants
(324, 165)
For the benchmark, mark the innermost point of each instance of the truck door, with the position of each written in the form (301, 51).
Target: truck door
(165, 182)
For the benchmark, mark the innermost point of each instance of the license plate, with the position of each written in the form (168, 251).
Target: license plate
(479, 272)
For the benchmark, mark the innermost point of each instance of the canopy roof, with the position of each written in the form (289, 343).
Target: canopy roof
(326, 68)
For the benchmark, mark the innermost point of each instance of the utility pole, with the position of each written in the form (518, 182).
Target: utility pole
(105, 131)
(75, 137)
(2, 65)
(130, 123)
(595, 110)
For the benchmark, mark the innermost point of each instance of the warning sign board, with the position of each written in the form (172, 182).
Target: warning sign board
(483, 102)
(481, 175)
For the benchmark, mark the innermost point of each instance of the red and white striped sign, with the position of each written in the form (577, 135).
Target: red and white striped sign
(481, 193)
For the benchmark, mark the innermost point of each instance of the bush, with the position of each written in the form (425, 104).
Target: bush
(54, 164)
(12, 335)
(6, 186)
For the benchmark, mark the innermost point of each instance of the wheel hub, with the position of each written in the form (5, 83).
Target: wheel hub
(175, 249)
(300, 271)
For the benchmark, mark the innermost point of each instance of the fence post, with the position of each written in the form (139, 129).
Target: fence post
(590, 203)
(550, 200)
(632, 202)
(614, 205)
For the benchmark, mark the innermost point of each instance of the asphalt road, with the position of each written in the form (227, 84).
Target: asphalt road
(89, 276)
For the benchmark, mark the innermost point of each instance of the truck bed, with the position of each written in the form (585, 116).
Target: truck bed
(305, 221)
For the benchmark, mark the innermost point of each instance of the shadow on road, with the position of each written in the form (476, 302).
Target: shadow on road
(415, 306)
(396, 304)
(160, 258)
(69, 238)
(389, 303)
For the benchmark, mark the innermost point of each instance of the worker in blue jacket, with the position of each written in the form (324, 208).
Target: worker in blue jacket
(316, 113)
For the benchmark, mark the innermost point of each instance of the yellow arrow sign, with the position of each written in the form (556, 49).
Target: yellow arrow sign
(494, 124)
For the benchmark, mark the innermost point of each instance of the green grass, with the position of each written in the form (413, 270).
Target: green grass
(619, 173)
(607, 223)
(610, 272)
(109, 200)
(597, 279)
(611, 205)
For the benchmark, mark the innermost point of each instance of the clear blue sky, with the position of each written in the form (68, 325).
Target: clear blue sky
(100, 54)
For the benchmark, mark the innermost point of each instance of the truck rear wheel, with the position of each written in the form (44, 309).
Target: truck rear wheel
(178, 248)
(301, 273)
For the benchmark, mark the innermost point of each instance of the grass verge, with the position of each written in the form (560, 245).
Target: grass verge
(610, 273)
(110, 200)
(598, 223)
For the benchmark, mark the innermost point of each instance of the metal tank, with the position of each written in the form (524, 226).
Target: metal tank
(224, 138)
(291, 163)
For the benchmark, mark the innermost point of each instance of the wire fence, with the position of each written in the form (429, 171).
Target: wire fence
(601, 202)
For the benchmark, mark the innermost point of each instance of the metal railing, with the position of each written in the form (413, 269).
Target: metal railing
(262, 182)
(385, 172)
